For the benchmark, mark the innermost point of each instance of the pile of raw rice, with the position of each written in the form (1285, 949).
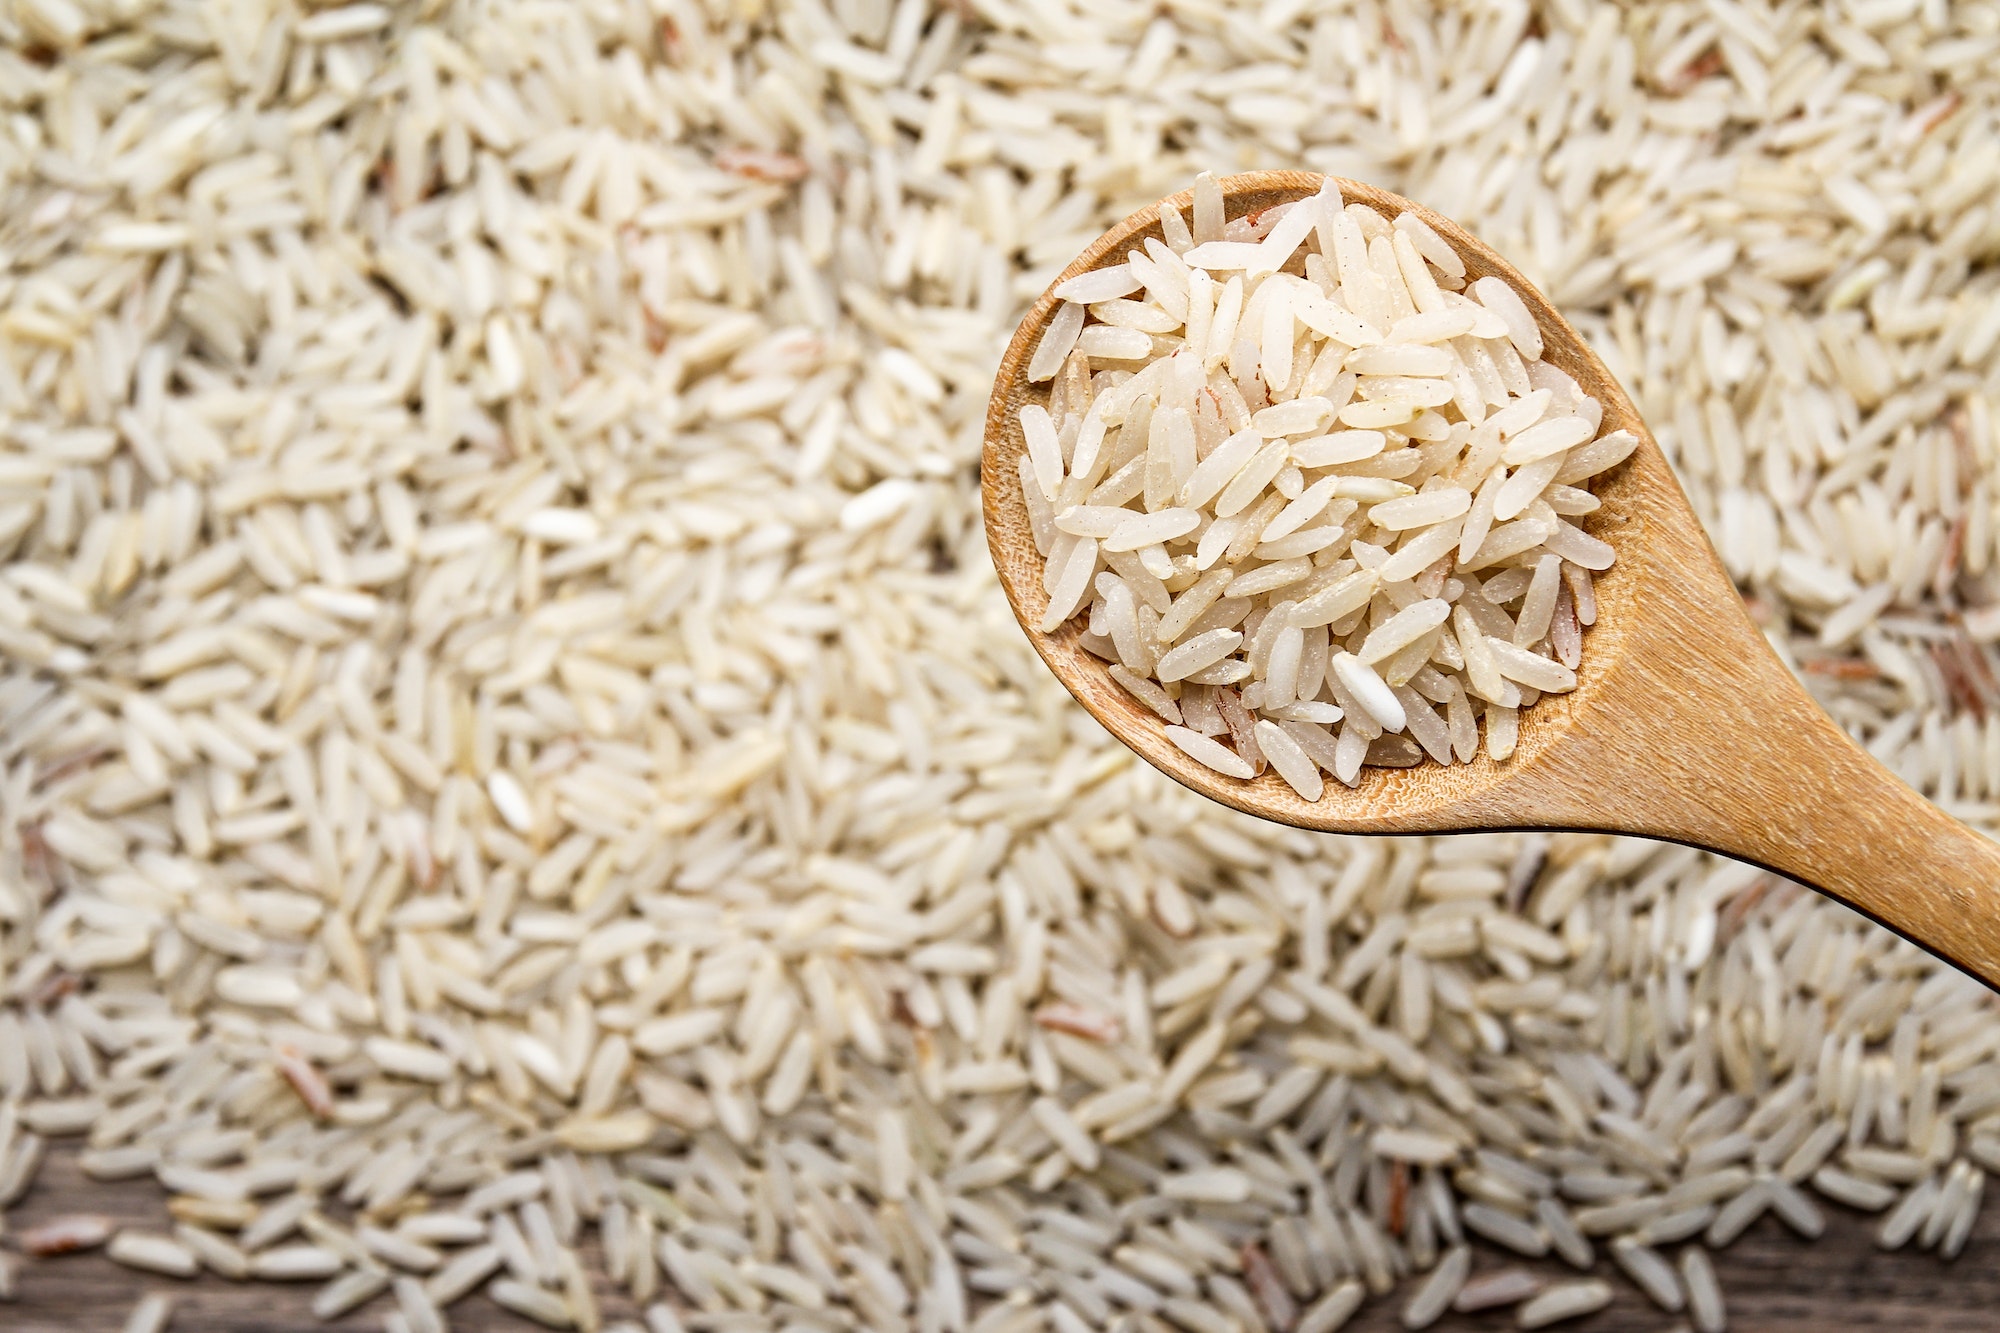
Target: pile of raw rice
(508, 732)
(1319, 494)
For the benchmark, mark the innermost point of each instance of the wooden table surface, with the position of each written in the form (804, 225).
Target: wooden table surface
(1775, 1283)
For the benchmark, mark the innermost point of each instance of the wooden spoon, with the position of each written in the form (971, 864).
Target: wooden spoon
(1684, 724)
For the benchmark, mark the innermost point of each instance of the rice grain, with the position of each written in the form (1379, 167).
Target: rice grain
(502, 699)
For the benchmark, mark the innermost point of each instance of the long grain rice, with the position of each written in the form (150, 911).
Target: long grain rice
(1231, 506)
(1704, 1293)
(1564, 1300)
(152, 1253)
(504, 700)
(153, 1314)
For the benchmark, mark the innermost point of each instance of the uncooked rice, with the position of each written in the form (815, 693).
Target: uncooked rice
(1435, 1294)
(1704, 1294)
(1314, 477)
(153, 1253)
(153, 1314)
(1503, 1286)
(509, 735)
(1564, 1300)
(1649, 1272)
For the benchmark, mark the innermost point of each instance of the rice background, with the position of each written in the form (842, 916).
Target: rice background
(504, 690)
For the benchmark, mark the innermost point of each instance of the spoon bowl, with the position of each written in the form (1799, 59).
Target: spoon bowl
(1684, 724)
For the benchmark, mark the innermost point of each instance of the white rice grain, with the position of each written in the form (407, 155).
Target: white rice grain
(1704, 1293)
(152, 1253)
(1437, 1291)
(153, 1314)
(1564, 1300)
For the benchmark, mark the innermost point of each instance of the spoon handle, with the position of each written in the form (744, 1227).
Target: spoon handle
(1732, 754)
(1813, 805)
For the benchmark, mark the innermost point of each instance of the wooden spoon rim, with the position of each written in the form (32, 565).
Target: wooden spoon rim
(1636, 496)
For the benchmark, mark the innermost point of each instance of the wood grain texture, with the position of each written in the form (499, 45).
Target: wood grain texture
(1774, 1282)
(1683, 725)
